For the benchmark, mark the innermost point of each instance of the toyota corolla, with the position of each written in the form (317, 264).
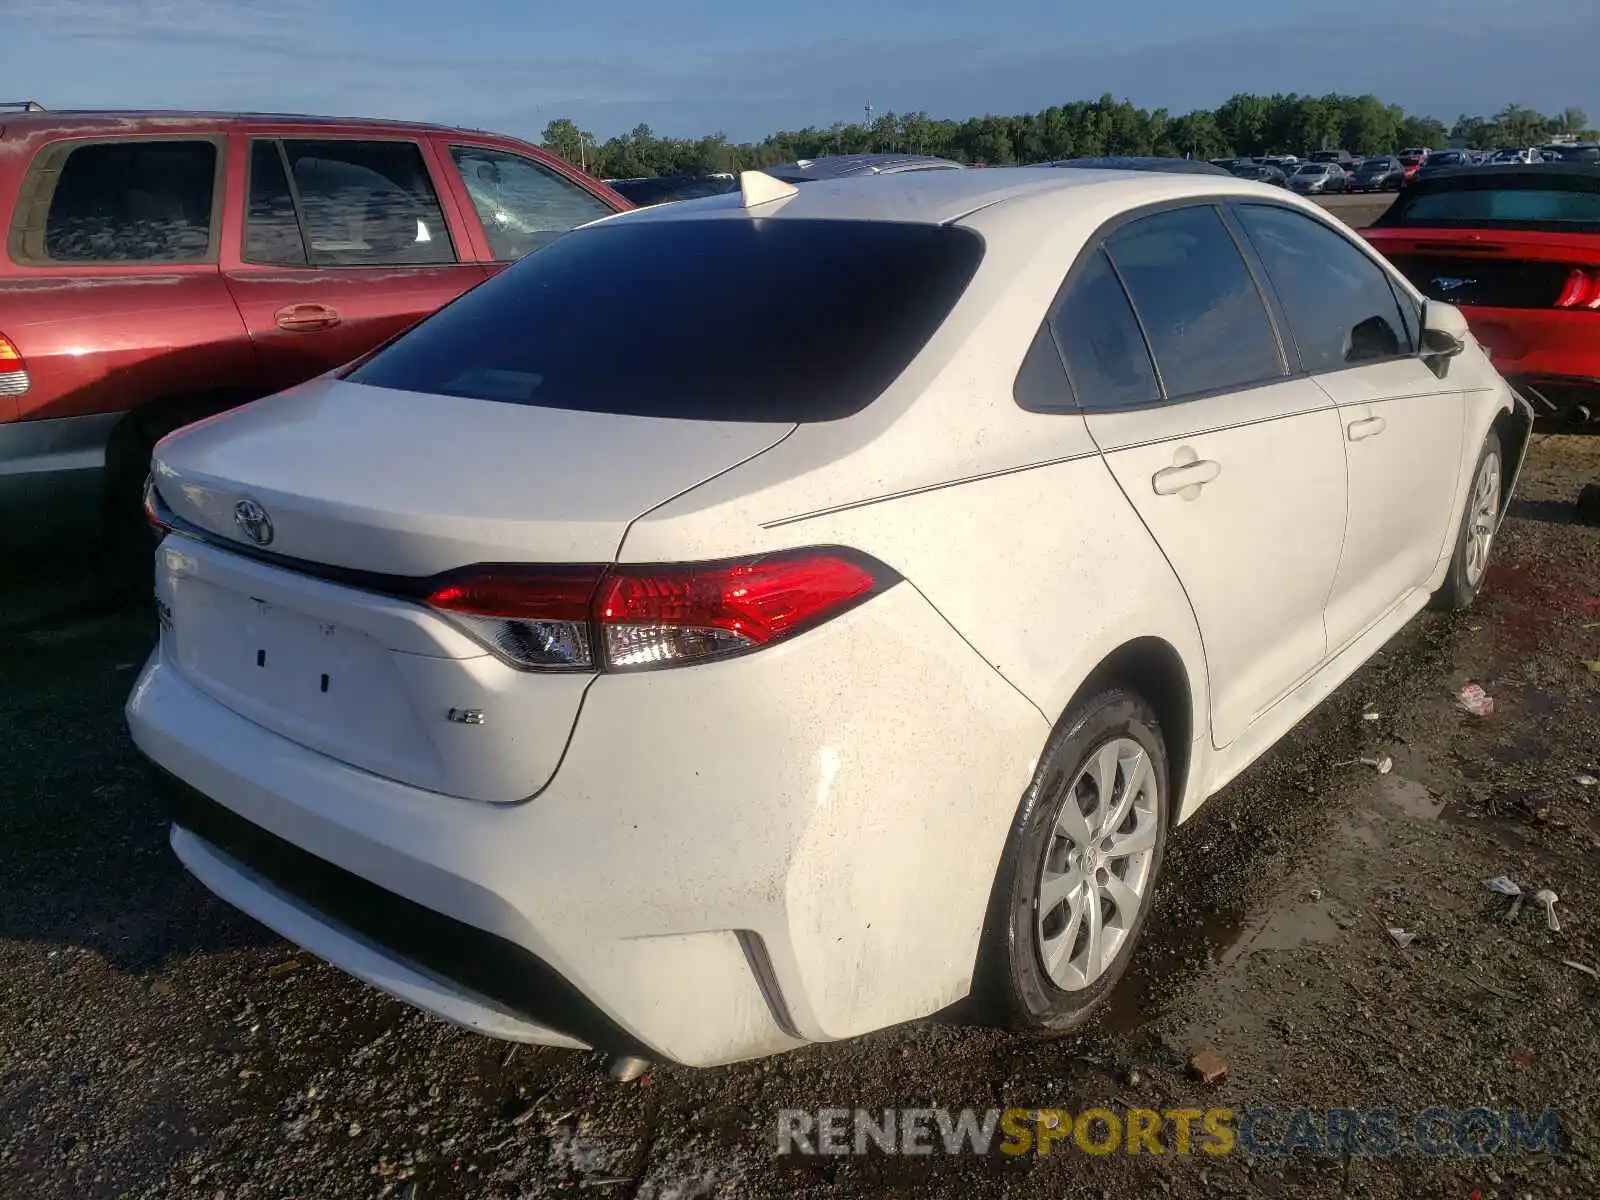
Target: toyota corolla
(837, 641)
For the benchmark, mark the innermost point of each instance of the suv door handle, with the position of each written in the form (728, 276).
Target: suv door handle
(305, 318)
(1365, 428)
(1186, 477)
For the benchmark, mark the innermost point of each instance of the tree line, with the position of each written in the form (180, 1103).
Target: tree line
(1245, 125)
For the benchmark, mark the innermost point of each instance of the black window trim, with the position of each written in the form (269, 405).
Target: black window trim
(14, 235)
(451, 145)
(1096, 243)
(1401, 295)
(278, 139)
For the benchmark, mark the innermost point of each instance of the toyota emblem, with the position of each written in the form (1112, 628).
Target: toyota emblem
(253, 521)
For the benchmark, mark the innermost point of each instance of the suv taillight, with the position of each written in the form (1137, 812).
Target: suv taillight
(14, 380)
(1582, 289)
(633, 617)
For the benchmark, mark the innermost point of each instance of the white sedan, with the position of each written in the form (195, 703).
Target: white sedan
(764, 619)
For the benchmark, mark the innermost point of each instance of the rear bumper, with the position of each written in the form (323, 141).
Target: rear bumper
(1534, 344)
(51, 478)
(733, 859)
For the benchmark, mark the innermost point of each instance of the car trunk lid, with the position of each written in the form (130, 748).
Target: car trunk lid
(321, 634)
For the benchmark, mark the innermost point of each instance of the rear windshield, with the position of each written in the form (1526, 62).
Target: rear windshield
(718, 319)
(1574, 206)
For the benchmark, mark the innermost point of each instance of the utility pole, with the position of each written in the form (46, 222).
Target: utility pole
(869, 126)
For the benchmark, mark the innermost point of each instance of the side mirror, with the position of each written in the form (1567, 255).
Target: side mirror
(1444, 335)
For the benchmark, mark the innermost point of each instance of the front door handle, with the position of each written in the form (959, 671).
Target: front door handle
(1365, 428)
(1188, 474)
(306, 318)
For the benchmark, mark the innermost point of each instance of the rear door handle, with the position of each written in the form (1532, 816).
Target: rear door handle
(1365, 428)
(1186, 477)
(306, 318)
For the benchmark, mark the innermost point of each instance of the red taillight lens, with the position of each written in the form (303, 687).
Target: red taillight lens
(1582, 289)
(653, 616)
(152, 506)
(534, 616)
(14, 379)
(645, 616)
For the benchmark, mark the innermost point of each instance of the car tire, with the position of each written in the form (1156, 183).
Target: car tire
(1038, 970)
(1588, 505)
(1469, 561)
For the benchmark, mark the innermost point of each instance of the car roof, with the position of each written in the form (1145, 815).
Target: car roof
(122, 118)
(942, 197)
(1531, 172)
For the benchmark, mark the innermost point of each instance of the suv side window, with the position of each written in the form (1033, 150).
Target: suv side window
(1107, 359)
(1339, 304)
(523, 204)
(127, 201)
(1205, 320)
(356, 204)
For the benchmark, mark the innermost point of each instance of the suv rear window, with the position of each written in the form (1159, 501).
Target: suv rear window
(137, 200)
(718, 319)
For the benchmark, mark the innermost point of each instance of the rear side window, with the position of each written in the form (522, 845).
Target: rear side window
(1340, 305)
(1206, 322)
(521, 203)
(356, 204)
(722, 319)
(117, 202)
(1099, 336)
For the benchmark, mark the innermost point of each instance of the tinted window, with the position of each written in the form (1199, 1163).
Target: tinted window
(1200, 309)
(271, 231)
(368, 204)
(1099, 336)
(522, 204)
(129, 201)
(1577, 206)
(1339, 304)
(740, 320)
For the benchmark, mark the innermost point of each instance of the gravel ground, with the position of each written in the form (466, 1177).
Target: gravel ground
(155, 1043)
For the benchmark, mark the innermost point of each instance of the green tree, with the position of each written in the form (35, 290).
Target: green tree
(1517, 125)
(1421, 131)
(1572, 120)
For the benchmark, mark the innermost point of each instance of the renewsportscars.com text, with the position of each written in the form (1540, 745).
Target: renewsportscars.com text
(1258, 1132)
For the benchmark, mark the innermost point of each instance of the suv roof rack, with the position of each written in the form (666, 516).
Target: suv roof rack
(23, 105)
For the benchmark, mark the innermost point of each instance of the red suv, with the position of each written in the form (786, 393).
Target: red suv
(161, 267)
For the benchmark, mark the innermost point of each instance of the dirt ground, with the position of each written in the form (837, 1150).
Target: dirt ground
(155, 1043)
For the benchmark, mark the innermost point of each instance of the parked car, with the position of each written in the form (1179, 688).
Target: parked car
(1420, 153)
(1342, 157)
(1517, 248)
(1410, 164)
(850, 166)
(1378, 174)
(165, 266)
(595, 671)
(1314, 178)
(1515, 158)
(1441, 160)
(667, 189)
(1181, 166)
(1575, 152)
(1262, 174)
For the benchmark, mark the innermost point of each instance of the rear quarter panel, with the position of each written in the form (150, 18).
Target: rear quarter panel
(1008, 521)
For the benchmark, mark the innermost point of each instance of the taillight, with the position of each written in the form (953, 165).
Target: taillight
(625, 618)
(1582, 289)
(153, 506)
(534, 616)
(14, 380)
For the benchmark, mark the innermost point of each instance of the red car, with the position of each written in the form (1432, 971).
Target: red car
(160, 267)
(1517, 248)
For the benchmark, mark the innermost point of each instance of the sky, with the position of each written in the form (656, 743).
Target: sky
(749, 67)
